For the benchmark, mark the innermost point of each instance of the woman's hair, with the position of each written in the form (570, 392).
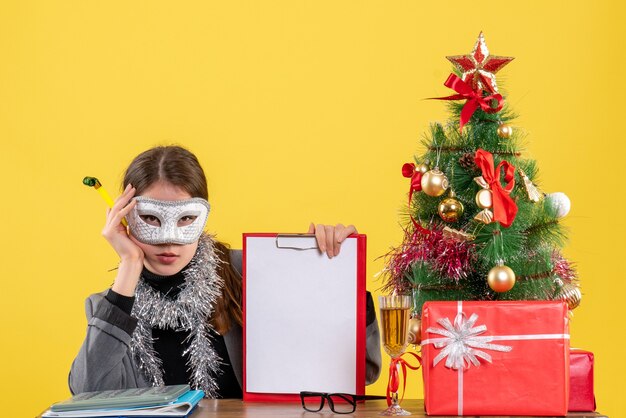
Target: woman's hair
(178, 166)
(172, 164)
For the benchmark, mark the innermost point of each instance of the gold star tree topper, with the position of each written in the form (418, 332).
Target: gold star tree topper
(479, 68)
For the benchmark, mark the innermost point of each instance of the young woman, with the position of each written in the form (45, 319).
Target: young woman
(173, 314)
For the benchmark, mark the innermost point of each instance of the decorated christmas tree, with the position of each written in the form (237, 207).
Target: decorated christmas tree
(478, 225)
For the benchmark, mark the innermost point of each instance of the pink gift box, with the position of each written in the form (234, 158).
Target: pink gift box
(581, 397)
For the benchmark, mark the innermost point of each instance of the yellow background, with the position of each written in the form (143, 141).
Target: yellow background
(299, 111)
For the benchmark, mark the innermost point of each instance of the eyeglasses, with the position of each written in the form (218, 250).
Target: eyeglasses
(339, 403)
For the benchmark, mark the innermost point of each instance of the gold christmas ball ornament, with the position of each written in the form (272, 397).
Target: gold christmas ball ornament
(571, 294)
(505, 131)
(422, 168)
(484, 199)
(415, 331)
(501, 279)
(434, 183)
(450, 209)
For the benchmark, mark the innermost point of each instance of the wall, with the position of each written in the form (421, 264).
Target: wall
(299, 111)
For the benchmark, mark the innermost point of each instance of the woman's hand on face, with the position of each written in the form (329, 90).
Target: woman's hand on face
(115, 233)
(131, 256)
(329, 238)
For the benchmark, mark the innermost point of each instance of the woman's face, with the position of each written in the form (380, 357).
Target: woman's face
(166, 259)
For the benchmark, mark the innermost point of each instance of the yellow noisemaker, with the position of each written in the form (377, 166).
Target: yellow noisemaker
(95, 183)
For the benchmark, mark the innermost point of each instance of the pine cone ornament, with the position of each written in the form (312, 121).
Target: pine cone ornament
(467, 162)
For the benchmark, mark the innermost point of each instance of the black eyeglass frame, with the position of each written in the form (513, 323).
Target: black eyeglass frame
(348, 397)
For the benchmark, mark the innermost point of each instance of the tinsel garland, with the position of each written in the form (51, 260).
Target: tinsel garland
(451, 258)
(563, 268)
(188, 311)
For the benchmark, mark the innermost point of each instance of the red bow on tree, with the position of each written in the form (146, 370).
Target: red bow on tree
(409, 171)
(504, 207)
(489, 104)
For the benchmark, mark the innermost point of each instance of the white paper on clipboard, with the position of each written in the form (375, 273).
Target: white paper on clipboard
(301, 315)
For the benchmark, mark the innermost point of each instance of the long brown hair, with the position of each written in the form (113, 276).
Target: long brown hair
(180, 167)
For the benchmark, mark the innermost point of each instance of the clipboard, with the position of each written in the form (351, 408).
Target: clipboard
(304, 317)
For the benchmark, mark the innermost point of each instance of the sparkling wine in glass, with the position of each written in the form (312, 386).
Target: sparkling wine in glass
(394, 318)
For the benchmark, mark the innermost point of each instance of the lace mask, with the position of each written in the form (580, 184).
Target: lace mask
(168, 221)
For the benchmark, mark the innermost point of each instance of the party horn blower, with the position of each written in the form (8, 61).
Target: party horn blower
(95, 183)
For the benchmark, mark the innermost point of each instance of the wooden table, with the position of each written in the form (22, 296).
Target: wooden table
(234, 408)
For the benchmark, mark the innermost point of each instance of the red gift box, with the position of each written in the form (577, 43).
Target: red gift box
(495, 358)
(581, 396)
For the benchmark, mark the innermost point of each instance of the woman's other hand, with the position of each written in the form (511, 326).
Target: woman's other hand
(329, 237)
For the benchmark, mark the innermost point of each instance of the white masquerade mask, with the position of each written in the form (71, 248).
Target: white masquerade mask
(168, 221)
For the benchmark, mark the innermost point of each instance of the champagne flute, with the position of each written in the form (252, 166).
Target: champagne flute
(394, 314)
